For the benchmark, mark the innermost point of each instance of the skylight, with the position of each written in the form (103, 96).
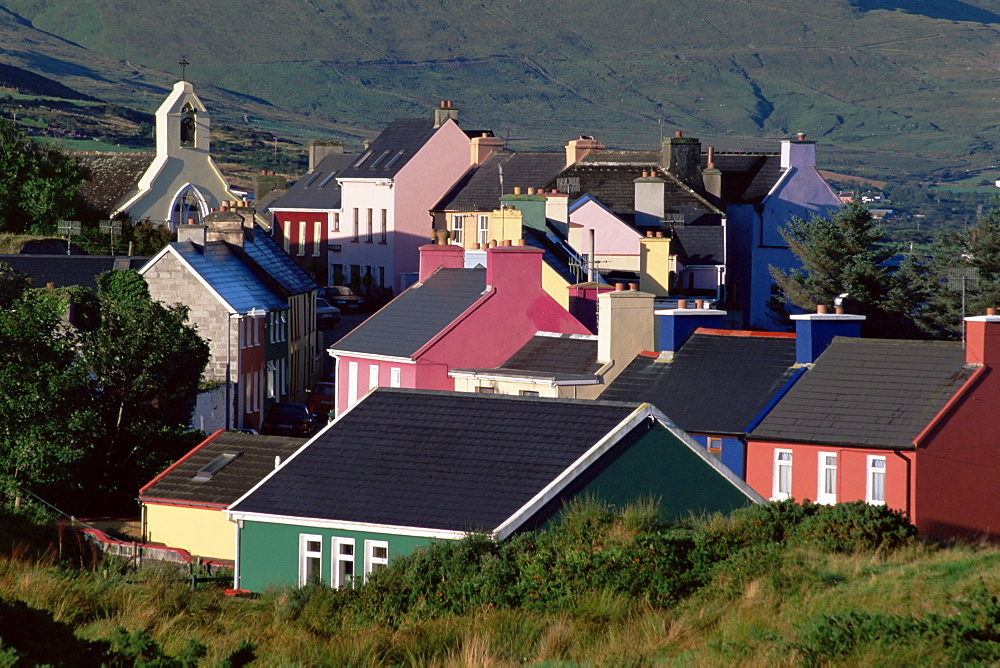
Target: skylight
(327, 179)
(312, 178)
(379, 159)
(362, 159)
(394, 159)
(206, 472)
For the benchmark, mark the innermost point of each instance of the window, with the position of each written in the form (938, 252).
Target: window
(373, 376)
(484, 229)
(376, 556)
(385, 226)
(336, 222)
(343, 562)
(714, 445)
(301, 250)
(381, 276)
(456, 230)
(357, 222)
(352, 383)
(394, 377)
(528, 393)
(368, 235)
(317, 237)
(484, 390)
(286, 233)
(272, 386)
(826, 486)
(208, 471)
(782, 485)
(875, 487)
(310, 558)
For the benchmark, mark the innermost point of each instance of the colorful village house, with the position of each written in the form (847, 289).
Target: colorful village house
(406, 467)
(908, 424)
(718, 384)
(253, 304)
(184, 506)
(454, 318)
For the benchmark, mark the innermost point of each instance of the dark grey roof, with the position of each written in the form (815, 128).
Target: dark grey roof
(877, 393)
(229, 483)
(66, 270)
(391, 150)
(318, 189)
(265, 252)
(746, 177)
(700, 244)
(229, 276)
(479, 189)
(413, 318)
(553, 253)
(716, 383)
(114, 177)
(439, 460)
(556, 353)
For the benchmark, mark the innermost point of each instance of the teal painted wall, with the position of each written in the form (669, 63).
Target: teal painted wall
(269, 553)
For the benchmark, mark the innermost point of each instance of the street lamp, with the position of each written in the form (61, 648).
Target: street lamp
(253, 313)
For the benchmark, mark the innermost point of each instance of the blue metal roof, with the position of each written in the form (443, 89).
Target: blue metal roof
(269, 256)
(228, 276)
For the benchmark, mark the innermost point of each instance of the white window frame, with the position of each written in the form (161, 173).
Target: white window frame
(822, 495)
(371, 561)
(483, 223)
(286, 234)
(352, 383)
(871, 471)
(779, 462)
(301, 250)
(317, 237)
(372, 376)
(305, 554)
(456, 229)
(395, 376)
(336, 222)
(337, 559)
(385, 227)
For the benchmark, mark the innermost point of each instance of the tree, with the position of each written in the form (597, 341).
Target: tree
(846, 254)
(38, 185)
(12, 285)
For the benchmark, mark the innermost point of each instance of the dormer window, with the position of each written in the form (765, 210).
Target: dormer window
(188, 124)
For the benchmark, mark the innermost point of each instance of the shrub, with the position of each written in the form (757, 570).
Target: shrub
(854, 526)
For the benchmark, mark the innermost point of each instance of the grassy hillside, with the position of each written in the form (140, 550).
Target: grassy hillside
(893, 83)
(771, 585)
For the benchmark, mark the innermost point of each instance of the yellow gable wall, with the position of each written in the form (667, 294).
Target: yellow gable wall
(200, 531)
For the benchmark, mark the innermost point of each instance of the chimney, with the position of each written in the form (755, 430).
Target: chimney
(815, 331)
(557, 210)
(675, 325)
(444, 112)
(681, 156)
(320, 148)
(711, 177)
(798, 152)
(577, 149)
(226, 225)
(656, 264)
(982, 339)
(649, 193)
(483, 147)
(265, 182)
(512, 267)
(624, 328)
(531, 206)
(193, 233)
(438, 256)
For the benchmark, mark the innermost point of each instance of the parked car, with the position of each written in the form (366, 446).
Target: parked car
(321, 399)
(326, 315)
(344, 298)
(286, 419)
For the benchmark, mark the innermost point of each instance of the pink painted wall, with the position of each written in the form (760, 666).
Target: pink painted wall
(852, 471)
(407, 373)
(611, 236)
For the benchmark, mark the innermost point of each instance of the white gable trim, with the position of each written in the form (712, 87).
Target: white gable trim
(348, 526)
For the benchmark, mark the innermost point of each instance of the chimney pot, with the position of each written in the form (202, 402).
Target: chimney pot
(699, 303)
(517, 190)
(634, 287)
(507, 242)
(553, 191)
(223, 208)
(682, 303)
(190, 221)
(839, 310)
(493, 243)
(991, 311)
(659, 234)
(619, 287)
(50, 285)
(821, 308)
(263, 172)
(801, 136)
(531, 191)
(678, 133)
(522, 242)
(649, 234)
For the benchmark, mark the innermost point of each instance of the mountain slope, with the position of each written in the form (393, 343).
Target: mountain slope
(894, 83)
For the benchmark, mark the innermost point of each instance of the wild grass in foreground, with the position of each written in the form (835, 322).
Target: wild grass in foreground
(781, 583)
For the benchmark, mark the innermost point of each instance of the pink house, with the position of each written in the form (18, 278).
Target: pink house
(453, 318)
(907, 424)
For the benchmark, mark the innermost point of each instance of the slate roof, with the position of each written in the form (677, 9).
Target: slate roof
(439, 460)
(229, 276)
(265, 252)
(391, 150)
(553, 254)
(413, 318)
(229, 483)
(114, 177)
(746, 177)
(318, 189)
(699, 244)
(65, 270)
(877, 393)
(717, 382)
(479, 189)
(548, 355)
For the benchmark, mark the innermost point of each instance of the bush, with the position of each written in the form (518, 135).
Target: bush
(854, 526)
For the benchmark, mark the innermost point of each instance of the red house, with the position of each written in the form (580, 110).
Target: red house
(454, 317)
(909, 424)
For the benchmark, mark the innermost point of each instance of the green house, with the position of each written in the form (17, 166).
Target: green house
(406, 467)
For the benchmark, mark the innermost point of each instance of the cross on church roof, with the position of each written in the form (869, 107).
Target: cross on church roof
(183, 63)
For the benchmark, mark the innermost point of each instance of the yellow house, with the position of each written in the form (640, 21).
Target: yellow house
(183, 506)
(573, 366)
